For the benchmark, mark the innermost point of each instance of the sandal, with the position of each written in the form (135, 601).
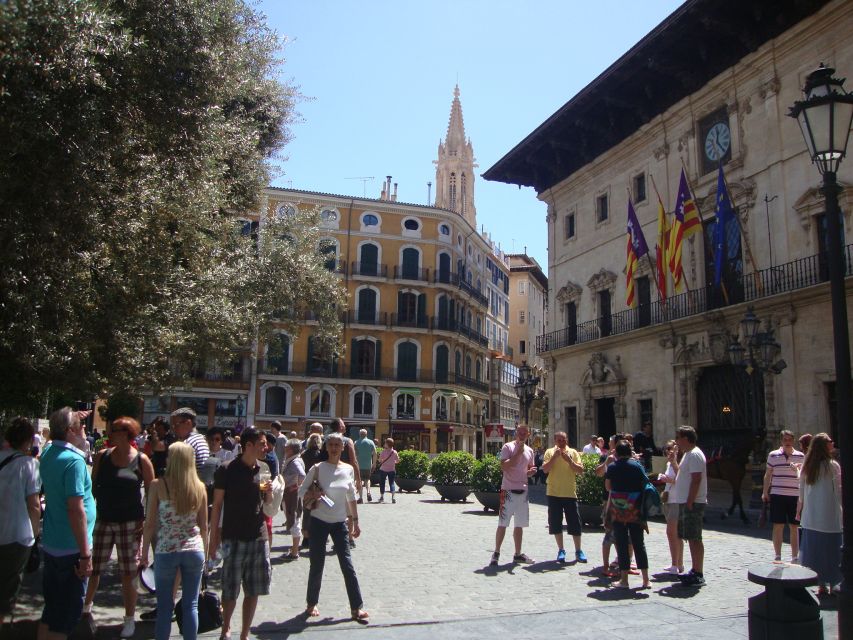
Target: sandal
(360, 615)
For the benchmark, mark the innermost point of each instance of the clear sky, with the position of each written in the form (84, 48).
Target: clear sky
(380, 75)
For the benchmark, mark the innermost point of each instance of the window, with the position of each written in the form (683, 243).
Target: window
(278, 354)
(522, 346)
(444, 229)
(365, 358)
(370, 220)
(572, 424)
(276, 401)
(452, 198)
(329, 250)
(605, 321)
(363, 404)
(368, 260)
(645, 411)
(412, 225)
(638, 187)
(329, 215)
(406, 406)
(321, 403)
(285, 211)
(407, 361)
(601, 208)
(521, 284)
(569, 226)
(441, 407)
(521, 316)
(572, 321)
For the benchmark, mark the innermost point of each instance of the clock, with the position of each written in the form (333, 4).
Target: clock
(717, 141)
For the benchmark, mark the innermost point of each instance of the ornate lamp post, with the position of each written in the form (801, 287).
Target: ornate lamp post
(525, 389)
(825, 117)
(241, 413)
(757, 353)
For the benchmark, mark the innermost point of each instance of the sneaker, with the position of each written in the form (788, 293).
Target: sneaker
(381, 498)
(128, 628)
(522, 558)
(393, 500)
(672, 570)
(148, 615)
(359, 501)
(692, 579)
(580, 556)
(369, 498)
(494, 561)
(777, 559)
(561, 555)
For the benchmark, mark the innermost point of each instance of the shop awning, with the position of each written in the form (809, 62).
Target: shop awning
(412, 391)
(447, 393)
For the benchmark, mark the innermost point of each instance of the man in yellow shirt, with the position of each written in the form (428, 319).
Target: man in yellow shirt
(563, 464)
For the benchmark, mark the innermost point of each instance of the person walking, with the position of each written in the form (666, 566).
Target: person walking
(177, 519)
(119, 474)
(335, 515)
(348, 456)
(365, 451)
(293, 470)
(782, 490)
(819, 513)
(69, 520)
(239, 526)
(563, 465)
(690, 493)
(280, 441)
(160, 436)
(670, 510)
(517, 466)
(626, 480)
(388, 460)
(312, 454)
(21, 509)
(183, 426)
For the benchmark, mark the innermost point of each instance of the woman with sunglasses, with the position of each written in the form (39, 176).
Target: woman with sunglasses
(335, 514)
(119, 474)
(819, 513)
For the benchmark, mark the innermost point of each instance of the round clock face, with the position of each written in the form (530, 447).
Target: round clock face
(717, 141)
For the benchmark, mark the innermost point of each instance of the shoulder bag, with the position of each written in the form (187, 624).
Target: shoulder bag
(209, 609)
(314, 491)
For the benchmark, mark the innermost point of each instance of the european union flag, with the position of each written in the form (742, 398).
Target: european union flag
(725, 221)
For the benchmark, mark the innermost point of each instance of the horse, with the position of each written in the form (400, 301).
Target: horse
(731, 467)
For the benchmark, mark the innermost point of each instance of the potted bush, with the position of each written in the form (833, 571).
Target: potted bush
(451, 472)
(591, 492)
(412, 470)
(486, 482)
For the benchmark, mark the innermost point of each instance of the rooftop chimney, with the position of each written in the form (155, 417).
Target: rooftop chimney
(394, 197)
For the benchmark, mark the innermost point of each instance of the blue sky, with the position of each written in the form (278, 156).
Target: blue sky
(379, 76)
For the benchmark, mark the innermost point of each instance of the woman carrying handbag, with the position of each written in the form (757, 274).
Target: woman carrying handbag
(177, 517)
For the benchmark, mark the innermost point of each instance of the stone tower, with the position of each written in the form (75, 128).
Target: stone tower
(454, 170)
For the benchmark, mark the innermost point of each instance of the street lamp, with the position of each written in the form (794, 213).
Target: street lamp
(525, 388)
(825, 117)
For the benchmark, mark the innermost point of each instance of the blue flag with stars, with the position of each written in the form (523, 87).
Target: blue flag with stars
(726, 225)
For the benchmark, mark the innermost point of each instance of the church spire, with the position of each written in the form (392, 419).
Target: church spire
(454, 172)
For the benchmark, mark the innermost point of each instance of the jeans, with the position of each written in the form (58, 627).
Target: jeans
(166, 565)
(320, 532)
(391, 475)
(621, 534)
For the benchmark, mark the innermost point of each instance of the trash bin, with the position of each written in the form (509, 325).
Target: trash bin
(786, 609)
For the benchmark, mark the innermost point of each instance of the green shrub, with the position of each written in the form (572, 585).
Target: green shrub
(452, 467)
(487, 475)
(590, 486)
(413, 465)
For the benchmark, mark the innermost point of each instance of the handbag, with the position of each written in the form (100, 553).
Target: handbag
(273, 507)
(209, 609)
(625, 506)
(314, 491)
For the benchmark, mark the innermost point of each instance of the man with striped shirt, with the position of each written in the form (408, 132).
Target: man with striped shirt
(781, 490)
(183, 426)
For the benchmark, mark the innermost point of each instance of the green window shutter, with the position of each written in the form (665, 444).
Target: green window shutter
(353, 357)
(377, 371)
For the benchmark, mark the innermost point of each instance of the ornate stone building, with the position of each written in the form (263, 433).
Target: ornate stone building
(710, 85)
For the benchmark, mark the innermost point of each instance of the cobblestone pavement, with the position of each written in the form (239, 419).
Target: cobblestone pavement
(422, 566)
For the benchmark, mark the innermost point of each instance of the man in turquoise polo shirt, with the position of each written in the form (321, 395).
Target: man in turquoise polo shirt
(69, 519)
(365, 451)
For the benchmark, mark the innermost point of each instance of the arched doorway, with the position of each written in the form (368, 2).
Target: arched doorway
(731, 406)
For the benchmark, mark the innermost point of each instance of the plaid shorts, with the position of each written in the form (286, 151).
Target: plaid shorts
(127, 539)
(246, 564)
(690, 521)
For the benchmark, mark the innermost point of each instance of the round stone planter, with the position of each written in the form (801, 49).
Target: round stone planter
(410, 485)
(453, 492)
(489, 499)
(590, 514)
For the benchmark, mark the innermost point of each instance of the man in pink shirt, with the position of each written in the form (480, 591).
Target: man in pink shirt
(517, 465)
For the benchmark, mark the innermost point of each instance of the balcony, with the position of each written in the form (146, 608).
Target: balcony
(410, 273)
(410, 321)
(471, 383)
(472, 292)
(446, 277)
(371, 269)
(440, 323)
(791, 276)
(363, 317)
(301, 369)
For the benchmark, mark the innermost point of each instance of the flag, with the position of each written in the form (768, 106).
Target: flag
(661, 249)
(725, 217)
(635, 250)
(685, 222)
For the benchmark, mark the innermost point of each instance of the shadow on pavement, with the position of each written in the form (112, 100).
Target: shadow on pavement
(480, 512)
(614, 594)
(678, 591)
(547, 566)
(295, 625)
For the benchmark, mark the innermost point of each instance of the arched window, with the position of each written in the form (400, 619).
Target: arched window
(367, 305)
(452, 194)
(444, 268)
(458, 363)
(407, 361)
(478, 371)
(442, 362)
(411, 259)
(467, 366)
(405, 406)
(320, 402)
(365, 358)
(368, 259)
(441, 408)
(464, 189)
(275, 401)
(362, 406)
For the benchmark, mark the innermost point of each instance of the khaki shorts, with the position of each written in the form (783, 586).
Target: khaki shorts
(514, 505)
(690, 521)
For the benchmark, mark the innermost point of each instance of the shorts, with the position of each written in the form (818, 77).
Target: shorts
(783, 509)
(670, 511)
(127, 538)
(514, 505)
(63, 593)
(690, 521)
(246, 564)
(13, 559)
(557, 507)
(365, 474)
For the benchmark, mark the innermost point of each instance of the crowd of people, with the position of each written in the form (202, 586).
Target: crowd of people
(197, 500)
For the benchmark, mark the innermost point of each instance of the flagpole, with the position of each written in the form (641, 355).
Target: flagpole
(698, 210)
(755, 275)
(648, 257)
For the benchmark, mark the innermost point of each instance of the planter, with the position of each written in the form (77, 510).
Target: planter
(410, 485)
(489, 499)
(453, 492)
(590, 514)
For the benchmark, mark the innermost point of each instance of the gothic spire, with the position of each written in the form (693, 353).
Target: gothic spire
(454, 171)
